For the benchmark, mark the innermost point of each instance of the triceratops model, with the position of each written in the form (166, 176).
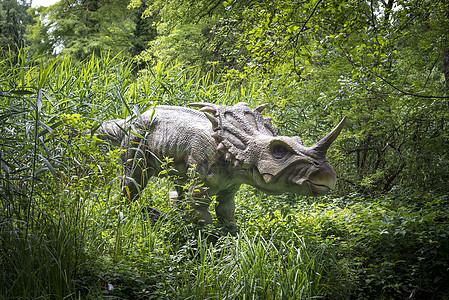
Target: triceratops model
(228, 146)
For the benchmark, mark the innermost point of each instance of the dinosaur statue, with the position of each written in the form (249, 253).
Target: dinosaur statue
(227, 146)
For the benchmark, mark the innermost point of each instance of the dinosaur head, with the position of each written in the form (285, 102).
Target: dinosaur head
(276, 164)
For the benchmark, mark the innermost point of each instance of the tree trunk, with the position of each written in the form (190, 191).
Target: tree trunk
(446, 63)
(446, 46)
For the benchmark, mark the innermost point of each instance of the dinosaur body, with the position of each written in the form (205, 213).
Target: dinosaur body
(227, 145)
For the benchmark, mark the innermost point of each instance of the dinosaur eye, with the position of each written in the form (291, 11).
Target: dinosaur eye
(279, 151)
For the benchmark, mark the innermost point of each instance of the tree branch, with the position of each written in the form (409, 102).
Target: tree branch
(299, 33)
(207, 12)
(410, 93)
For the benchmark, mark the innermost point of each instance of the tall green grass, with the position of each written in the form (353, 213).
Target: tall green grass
(246, 267)
(49, 176)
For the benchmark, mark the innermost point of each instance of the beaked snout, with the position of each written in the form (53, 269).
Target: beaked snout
(324, 176)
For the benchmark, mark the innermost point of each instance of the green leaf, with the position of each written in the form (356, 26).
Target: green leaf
(22, 92)
(44, 75)
(50, 168)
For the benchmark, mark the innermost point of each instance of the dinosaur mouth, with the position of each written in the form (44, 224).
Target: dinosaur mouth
(298, 185)
(312, 188)
(317, 189)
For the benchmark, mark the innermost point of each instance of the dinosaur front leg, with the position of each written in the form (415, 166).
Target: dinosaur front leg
(225, 209)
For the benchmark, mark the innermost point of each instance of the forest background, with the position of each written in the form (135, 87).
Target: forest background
(382, 234)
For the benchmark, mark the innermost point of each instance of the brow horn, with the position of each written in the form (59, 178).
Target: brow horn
(323, 145)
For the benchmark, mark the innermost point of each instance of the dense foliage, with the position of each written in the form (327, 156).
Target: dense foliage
(13, 24)
(382, 234)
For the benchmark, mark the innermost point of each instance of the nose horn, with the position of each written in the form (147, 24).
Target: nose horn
(324, 144)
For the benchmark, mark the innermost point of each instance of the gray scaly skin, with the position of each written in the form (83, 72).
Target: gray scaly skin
(228, 146)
